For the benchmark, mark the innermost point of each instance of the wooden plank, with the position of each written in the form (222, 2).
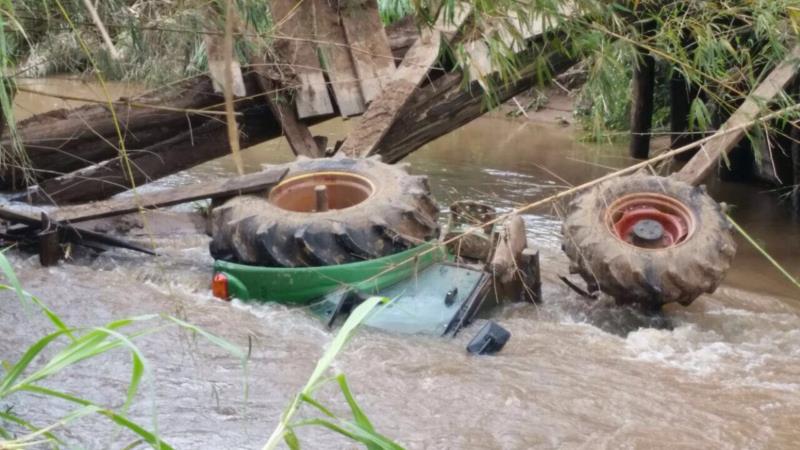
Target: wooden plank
(296, 21)
(215, 51)
(383, 111)
(336, 59)
(245, 184)
(369, 46)
(480, 61)
(722, 142)
(296, 132)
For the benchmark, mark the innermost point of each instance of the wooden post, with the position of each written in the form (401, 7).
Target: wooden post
(49, 243)
(644, 75)
(681, 95)
(531, 278)
(795, 150)
(642, 95)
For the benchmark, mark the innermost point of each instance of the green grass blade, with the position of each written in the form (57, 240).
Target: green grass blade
(763, 252)
(7, 416)
(30, 440)
(333, 427)
(24, 361)
(216, 340)
(25, 297)
(291, 439)
(87, 346)
(147, 436)
(342, 337)
(317, 405)
(358, 414)
(370, 439)
(137, 369)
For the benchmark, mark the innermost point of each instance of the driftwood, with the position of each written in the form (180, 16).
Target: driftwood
(508, 253)
(708, 157)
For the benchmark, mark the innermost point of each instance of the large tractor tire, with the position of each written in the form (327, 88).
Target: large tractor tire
(369, 209)
(649, 240)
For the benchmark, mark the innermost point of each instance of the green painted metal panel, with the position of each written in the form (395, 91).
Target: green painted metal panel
(300, 286)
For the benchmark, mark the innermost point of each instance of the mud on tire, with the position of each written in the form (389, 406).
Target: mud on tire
(651, 276)
(376, 209)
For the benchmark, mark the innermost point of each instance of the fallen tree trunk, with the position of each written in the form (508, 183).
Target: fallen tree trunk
(65, 140)
(187, 149)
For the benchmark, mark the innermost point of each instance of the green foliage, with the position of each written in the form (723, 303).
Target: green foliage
(394, 10)
(67, 346)
(359, 429)
(721, 47)
(158, 41)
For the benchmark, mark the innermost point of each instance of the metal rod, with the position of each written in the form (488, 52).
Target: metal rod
(321, 195)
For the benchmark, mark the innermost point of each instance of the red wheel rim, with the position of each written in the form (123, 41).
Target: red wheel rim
(651, 221)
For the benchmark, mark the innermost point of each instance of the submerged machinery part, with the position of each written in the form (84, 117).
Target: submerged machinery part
(648, 239)
(327, 211)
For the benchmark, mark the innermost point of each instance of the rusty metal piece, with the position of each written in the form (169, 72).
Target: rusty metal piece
(342, 190)
(468, 212)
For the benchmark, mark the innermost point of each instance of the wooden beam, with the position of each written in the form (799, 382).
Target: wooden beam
(65, 140)
(296, 20)
(296, 132)
(383, 111)
(336, 59)
(369, 46)
(722, 142)
(215, 189)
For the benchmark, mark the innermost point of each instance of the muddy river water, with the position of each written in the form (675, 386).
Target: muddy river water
(723, 373)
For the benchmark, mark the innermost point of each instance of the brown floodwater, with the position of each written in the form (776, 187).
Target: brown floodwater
(723, 373)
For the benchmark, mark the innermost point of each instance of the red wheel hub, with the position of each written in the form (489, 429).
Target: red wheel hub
(649, 220)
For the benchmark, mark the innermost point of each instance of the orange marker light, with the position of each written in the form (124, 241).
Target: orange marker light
(219, 286)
